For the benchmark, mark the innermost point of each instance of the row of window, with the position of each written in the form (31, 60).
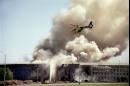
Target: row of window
(104, 78)
(105, 73)
(113, 70)
(107, 78)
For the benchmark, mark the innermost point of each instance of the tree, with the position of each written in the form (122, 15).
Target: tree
(124, 78)
(9, 74)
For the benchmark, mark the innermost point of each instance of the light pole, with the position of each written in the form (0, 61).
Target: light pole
(119, 71)
(37, 73)
(79, 69)
(4, 67)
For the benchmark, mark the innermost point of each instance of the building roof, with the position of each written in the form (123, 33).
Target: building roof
(96, 63)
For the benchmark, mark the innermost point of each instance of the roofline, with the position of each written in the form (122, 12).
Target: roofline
(74, 63)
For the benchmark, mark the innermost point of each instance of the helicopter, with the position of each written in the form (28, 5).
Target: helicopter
(78, 29)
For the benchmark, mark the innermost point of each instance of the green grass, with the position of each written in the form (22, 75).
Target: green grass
(85, 84)
(75, 84)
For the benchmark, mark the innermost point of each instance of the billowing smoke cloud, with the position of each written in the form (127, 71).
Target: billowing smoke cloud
(110, 20)
(107, 38)
(81, 46)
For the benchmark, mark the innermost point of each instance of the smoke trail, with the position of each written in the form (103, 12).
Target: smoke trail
(107, 38)
(58, 60)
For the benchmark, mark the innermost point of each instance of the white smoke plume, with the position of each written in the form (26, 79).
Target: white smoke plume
(42, 54)
(107, 38)
(58, 60)
(81, 45)
(81, 76)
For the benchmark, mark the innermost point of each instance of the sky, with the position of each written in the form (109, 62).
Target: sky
(23, 23)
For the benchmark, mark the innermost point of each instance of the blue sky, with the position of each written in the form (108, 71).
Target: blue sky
(23, 23)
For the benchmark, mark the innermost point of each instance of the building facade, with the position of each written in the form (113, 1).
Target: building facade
(97, 73)
(88, 73)
(110, 73)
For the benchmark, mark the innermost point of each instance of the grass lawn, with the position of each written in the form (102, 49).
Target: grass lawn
(74, 84)
(85, 84)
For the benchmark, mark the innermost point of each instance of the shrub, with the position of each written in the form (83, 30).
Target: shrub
(9, 74)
